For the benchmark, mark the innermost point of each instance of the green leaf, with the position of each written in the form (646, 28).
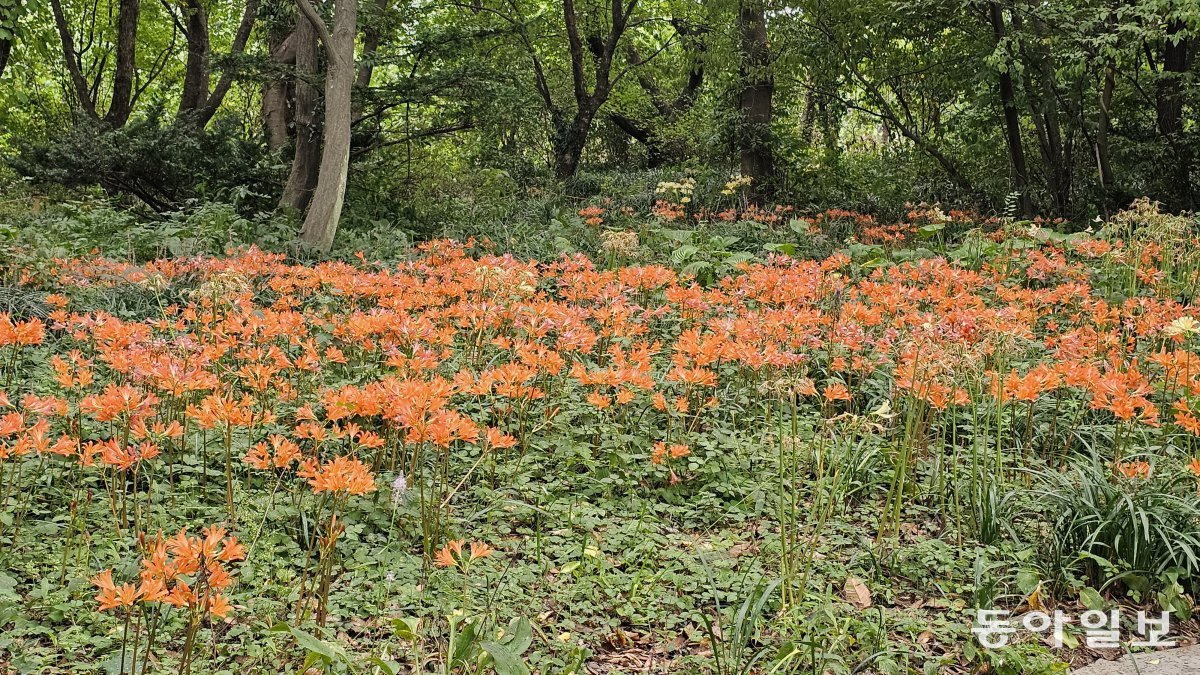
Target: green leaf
(799, 225)
(1027, 581)
(464, 645)
(519, 635)
(316, 647)
(738, 258)
(406, 628)
(1091, 599)
(932, 228)
(503, 660)
(683, 253)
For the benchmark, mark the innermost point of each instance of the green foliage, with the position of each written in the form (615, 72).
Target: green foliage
(1102, 529)
(163, 164)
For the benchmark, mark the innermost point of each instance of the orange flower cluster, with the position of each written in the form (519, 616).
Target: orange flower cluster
(452, 555)
(592, 215)
(342, 367)
(662, 451)
(341, 474)
(166, 572)
(21, 333)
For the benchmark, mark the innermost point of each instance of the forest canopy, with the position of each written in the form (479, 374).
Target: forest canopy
(1065, 109)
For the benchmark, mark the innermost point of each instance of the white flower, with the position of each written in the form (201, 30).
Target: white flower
(1184, 324)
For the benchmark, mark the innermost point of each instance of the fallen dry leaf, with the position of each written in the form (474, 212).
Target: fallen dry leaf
(857, 593)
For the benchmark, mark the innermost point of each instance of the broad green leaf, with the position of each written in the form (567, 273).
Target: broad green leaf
(503, 660)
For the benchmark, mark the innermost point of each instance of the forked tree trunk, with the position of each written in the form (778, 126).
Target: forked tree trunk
(121, 104)
(198, 104)
(321, 222)
(305, 161)
(570, 137)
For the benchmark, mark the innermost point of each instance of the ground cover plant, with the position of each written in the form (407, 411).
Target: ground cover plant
(465, 461)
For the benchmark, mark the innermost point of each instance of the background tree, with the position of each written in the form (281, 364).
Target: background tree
(1067, 109)
(756, 96)
(325, 210)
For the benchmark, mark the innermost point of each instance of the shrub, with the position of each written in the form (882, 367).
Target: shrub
(162, 163)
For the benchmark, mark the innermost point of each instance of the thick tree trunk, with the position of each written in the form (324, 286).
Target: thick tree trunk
(305, 161)
(1169, 108)
(196, 71)
(275, 112)
(5, 52)
(1012, 120)
(570, 138)
(569, 144)
(756, 98)
(126, 68)
(321, 222)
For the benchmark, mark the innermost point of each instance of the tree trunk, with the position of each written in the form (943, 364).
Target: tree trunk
(1169, 108)
(372, 39)
(570, 138)
(1012, 121)
(669, 111)
(1103, 124)
(122, 91)
(321, 222)
(196, 71)
(275, 112)
(808, 118)
(5, 52)
(212, 100)
(755, 99)
(569, 144)
(1045, 112)
(642, 133)
(305, 162)
(79, 83)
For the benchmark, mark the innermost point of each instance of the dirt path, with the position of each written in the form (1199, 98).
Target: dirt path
(1181, 661)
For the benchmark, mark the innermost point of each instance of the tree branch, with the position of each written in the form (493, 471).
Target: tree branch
(318, 25)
